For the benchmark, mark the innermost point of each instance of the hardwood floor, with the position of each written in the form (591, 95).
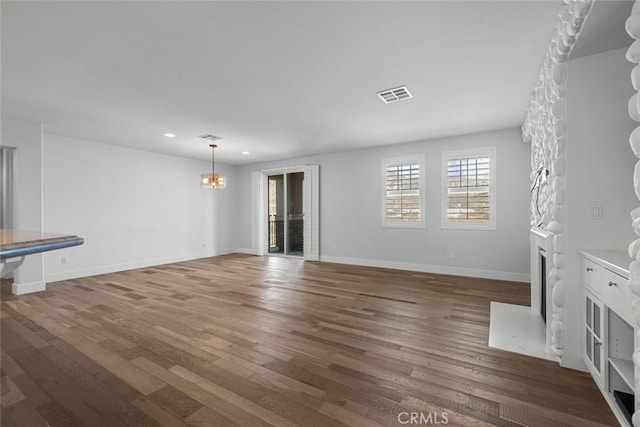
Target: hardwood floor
(256, 341)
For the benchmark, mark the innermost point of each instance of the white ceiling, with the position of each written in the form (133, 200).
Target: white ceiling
(278, 79)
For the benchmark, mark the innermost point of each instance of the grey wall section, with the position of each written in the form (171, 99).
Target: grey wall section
(351, 210)
(133, 208)
(26, 136)
(600, 167)
(136, 208)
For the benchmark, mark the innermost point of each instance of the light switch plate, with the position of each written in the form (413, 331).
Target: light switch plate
(596, 210)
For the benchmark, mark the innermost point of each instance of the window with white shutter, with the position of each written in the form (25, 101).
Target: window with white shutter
(403, 183)
(469, 200)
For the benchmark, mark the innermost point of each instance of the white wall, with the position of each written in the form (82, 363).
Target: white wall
(599, 171)
(133, 208)
(26, 137)
(136, 208)
(351, 211)
(599, 160)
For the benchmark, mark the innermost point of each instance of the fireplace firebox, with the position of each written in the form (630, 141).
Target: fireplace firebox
(543, 284)
(541, 306)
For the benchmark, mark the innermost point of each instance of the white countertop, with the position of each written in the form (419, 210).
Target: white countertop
(615, 261)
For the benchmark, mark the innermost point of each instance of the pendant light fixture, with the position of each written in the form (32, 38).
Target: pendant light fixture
(213, 179)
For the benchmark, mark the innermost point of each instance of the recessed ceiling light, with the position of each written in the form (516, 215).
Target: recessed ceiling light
(245, 153)
(170, 135)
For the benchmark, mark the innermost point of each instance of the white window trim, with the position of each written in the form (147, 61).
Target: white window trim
(419, 159)
(446, 156)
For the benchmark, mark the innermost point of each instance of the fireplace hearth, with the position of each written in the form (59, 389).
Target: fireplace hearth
(521, 329)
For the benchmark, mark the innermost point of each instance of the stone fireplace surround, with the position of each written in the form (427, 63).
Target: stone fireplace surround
(545, 128)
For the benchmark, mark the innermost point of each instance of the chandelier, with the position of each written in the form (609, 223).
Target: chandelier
(213, 179)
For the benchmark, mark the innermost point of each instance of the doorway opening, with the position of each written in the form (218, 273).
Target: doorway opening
(7, 196)
(307, 219)
(7, 183)
(286, 214)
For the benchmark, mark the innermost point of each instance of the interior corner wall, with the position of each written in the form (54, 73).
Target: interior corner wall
(351, 211)
(599, 167)
(133, 208)
(26, 137)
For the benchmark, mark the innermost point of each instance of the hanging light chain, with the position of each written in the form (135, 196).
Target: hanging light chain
(213, 163)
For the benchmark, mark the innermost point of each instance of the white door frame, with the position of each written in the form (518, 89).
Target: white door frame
(311, 208)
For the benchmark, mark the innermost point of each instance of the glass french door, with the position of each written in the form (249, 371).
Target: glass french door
(285, 210)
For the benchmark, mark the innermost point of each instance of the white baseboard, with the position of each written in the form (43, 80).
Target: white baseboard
(27, 288)
(106, 269)
(248, 251)
(427, 268)
(424, 268)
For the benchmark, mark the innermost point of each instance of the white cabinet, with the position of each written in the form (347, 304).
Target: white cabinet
(608, 332)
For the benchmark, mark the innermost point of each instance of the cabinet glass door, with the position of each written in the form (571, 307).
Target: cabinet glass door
(593, 349)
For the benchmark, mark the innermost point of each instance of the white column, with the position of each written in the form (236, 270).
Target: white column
(633, 55)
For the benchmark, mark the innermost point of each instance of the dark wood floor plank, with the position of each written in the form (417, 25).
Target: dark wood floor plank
(76, 404)
(22, 414)
(175, 401)
(159, 414)
(207, 417)
(257, 341)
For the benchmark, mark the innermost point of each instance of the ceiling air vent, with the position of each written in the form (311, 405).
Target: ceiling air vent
(395, 94)
(210, 137)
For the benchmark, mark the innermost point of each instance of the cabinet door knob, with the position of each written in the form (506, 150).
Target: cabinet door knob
(613, 284)
(589, 269)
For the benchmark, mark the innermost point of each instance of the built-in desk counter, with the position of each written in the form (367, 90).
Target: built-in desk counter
(615, 261)
(16, 244)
